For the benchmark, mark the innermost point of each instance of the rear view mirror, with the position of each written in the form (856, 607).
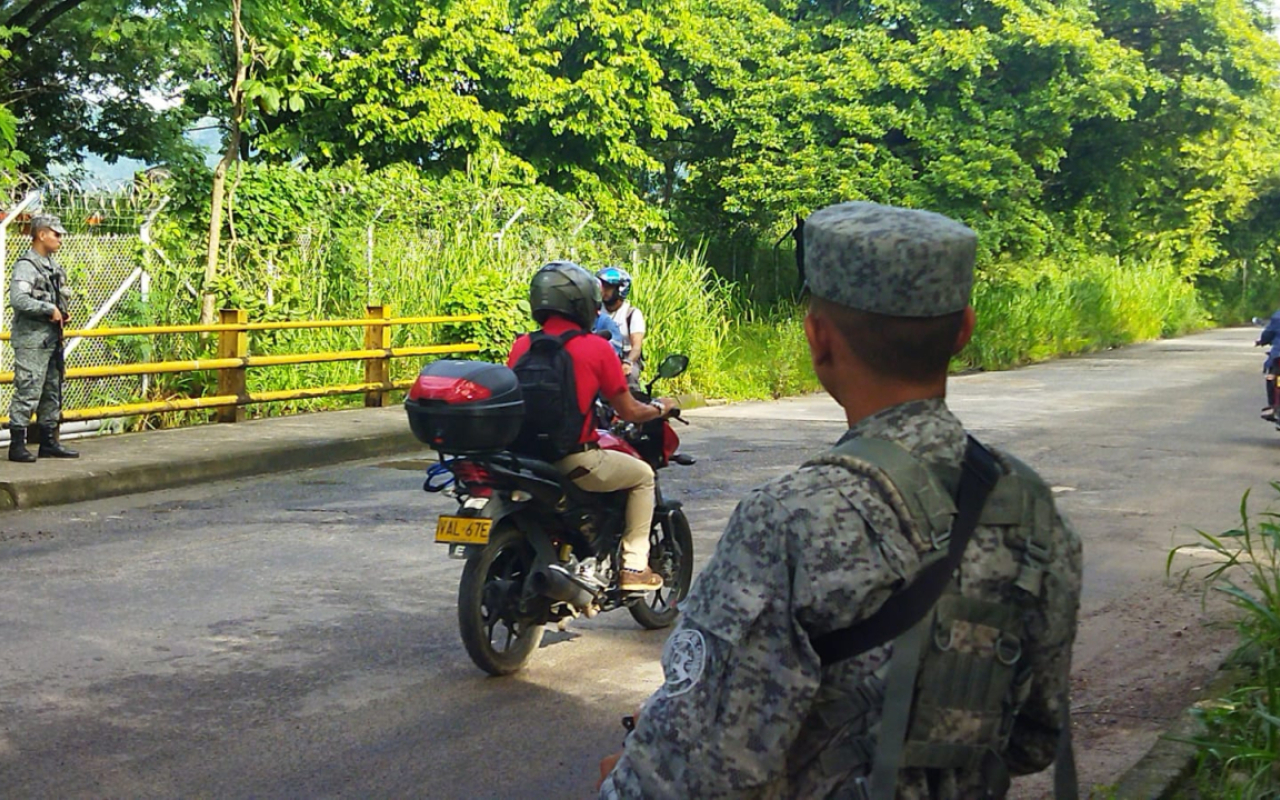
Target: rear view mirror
(672, 366)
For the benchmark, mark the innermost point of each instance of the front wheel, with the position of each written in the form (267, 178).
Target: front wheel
(671, 556)
(498, 637)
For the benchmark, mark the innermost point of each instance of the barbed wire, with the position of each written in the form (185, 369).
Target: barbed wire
(86, 203)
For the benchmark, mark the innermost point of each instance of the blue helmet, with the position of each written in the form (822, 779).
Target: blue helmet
(616, 276)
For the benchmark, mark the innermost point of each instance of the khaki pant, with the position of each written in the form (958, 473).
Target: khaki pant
(611, 471)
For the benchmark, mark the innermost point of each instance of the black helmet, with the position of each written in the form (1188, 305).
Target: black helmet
(568, 290)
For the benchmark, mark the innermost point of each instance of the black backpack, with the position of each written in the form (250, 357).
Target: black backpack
(553, 422)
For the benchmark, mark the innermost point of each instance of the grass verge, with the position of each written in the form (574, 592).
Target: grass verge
(1239, 751)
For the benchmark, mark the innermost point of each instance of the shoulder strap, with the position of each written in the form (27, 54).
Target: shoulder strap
(903, 609)
(927, 492)
(29, 261)
(542, 336)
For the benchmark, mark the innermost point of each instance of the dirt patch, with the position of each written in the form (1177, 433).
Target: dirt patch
(1139, 662)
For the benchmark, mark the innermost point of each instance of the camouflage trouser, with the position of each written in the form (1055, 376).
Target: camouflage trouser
(37, 386)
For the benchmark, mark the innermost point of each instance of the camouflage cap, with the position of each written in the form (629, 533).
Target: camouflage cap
(42, 221)
(887, 260)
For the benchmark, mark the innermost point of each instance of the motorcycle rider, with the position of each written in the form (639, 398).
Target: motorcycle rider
(564, 296)
(615, 285)
(1270, 366)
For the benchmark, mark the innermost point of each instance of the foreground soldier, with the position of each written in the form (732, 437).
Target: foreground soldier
(39, 296)
(749, 707)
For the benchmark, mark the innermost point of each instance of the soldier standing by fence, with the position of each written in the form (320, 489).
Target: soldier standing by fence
(39, 296)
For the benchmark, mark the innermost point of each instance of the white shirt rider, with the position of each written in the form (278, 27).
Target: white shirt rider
(631, 322)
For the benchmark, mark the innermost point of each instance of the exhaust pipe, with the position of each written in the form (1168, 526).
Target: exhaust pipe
(556, 582)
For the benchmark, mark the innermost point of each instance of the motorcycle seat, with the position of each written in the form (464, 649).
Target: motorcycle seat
(540, 469)
(546, 471)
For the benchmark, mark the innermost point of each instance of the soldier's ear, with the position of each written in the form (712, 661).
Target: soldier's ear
(820, 333)
(967, 323)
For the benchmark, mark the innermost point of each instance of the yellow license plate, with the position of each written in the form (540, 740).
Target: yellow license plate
(463, 530)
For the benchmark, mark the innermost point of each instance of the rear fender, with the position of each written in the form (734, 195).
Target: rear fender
(498, 507)
(501, 507)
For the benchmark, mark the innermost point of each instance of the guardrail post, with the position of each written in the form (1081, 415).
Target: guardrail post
(232, 344)
(378, 368)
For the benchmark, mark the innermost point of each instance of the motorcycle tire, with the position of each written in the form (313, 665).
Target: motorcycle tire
(671, 556)
(498, 640)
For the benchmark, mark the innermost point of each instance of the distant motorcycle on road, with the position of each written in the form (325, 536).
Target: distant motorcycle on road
(1271, 366)
(537, 548)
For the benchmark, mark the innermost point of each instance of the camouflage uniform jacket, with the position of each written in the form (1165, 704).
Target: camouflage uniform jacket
(807, 553)
(37, 285)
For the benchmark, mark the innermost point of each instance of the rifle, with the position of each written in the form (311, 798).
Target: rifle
(60, 356)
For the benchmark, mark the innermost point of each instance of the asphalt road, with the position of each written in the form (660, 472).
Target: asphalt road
(295, 635)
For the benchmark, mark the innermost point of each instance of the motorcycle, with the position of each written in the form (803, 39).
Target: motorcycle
(538, 549)
(1269, 369)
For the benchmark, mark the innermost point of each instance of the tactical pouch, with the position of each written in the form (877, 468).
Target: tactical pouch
(968, 668)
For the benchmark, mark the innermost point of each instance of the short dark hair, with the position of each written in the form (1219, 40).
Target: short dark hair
(907, 348)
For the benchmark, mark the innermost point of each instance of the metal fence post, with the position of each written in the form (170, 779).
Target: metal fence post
(378, 368)
(232, 344)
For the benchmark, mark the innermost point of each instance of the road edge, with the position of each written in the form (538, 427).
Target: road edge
(21, 495)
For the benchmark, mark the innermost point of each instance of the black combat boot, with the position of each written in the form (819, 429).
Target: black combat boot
(18, 447)
(51, 447)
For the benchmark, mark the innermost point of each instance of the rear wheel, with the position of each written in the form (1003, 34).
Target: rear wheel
(671, 556)
(499, 639)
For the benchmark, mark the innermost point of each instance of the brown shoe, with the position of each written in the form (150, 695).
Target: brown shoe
(645, 580)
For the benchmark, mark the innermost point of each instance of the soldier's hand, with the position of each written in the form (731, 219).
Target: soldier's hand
(57, 315)
(606, 766)
(609, 762)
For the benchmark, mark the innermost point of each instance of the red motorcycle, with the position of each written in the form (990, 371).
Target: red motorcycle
(538, 549)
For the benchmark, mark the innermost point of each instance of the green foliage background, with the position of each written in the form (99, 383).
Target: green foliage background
(462, 245)
(1118, 160)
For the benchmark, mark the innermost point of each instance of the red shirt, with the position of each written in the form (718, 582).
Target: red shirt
(596, 368)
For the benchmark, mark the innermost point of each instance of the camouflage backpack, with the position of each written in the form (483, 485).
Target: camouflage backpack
(956, 661)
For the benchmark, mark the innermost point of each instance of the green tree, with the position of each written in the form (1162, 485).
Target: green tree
(965, 108)
(1189, 164)
(96, 77)
(566, 94)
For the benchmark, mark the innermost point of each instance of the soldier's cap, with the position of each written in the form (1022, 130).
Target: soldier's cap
(887, 260)
(42, 221)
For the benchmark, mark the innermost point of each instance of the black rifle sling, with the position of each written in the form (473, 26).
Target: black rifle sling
(903, 609)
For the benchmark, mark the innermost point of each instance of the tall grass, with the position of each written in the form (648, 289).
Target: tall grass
(1027, 311)
(686, 309)
(1239, 753)
(1031, 311)
(765, 356)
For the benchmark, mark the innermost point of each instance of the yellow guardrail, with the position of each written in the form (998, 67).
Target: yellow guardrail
(233, 360)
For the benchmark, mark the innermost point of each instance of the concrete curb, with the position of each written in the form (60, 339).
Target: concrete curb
(1163, 770)
(168, 459)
